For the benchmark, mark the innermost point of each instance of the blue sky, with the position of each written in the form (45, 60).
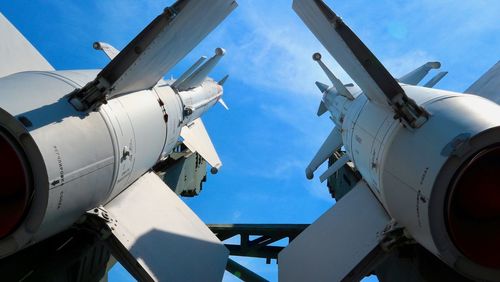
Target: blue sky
(271, 131)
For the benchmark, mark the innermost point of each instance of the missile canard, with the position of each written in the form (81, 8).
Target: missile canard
(431, 173)
(74, 141)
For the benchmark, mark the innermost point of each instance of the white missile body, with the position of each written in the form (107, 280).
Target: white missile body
(66, 150)
(434, 176)
(98, 153)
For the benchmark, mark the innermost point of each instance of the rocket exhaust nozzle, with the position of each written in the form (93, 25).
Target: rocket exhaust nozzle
(15, 191)
(473, 209)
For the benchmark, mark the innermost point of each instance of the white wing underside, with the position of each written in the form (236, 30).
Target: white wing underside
(335, 244)
(164, 235)
(16, 53)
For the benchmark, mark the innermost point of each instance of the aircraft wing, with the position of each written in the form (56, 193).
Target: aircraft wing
(163, 43)
(153, 227)
(16, 52)
(197, 140)
(488, 85)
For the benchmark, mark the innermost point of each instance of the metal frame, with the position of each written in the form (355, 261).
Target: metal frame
(260, 247)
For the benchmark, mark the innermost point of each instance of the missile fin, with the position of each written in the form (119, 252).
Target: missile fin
(223, 80)
(109, 50)
(332, 143)
(158, 47)
(16, 52)
(488, 84)
(341, 89)
(358, 61)
(199, 75)
(187, 73)
(342, 245)
(437, 78)
(197, 139)
(321, 109)
(153, 228)
(221, 101)
(152, 53)
(321, 86)
(334, 168)
(414, 77)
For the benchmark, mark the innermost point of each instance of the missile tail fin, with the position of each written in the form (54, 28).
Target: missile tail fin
(321, 109)
(333, 240)
(187, 73)
(221, 101)
(321, 86)
(153, 227)
(433, 81)
(414, 77)
(223, 80)
(197, 140)
(199, 75)
(332, 143)
(17, 52)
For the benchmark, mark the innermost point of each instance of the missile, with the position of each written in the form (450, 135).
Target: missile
(428, 158)
(82, 143)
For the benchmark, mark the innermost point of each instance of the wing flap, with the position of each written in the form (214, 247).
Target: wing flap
(156, 228)
(488, 85)
(337, 246)
(196, 138)
(16, 52)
